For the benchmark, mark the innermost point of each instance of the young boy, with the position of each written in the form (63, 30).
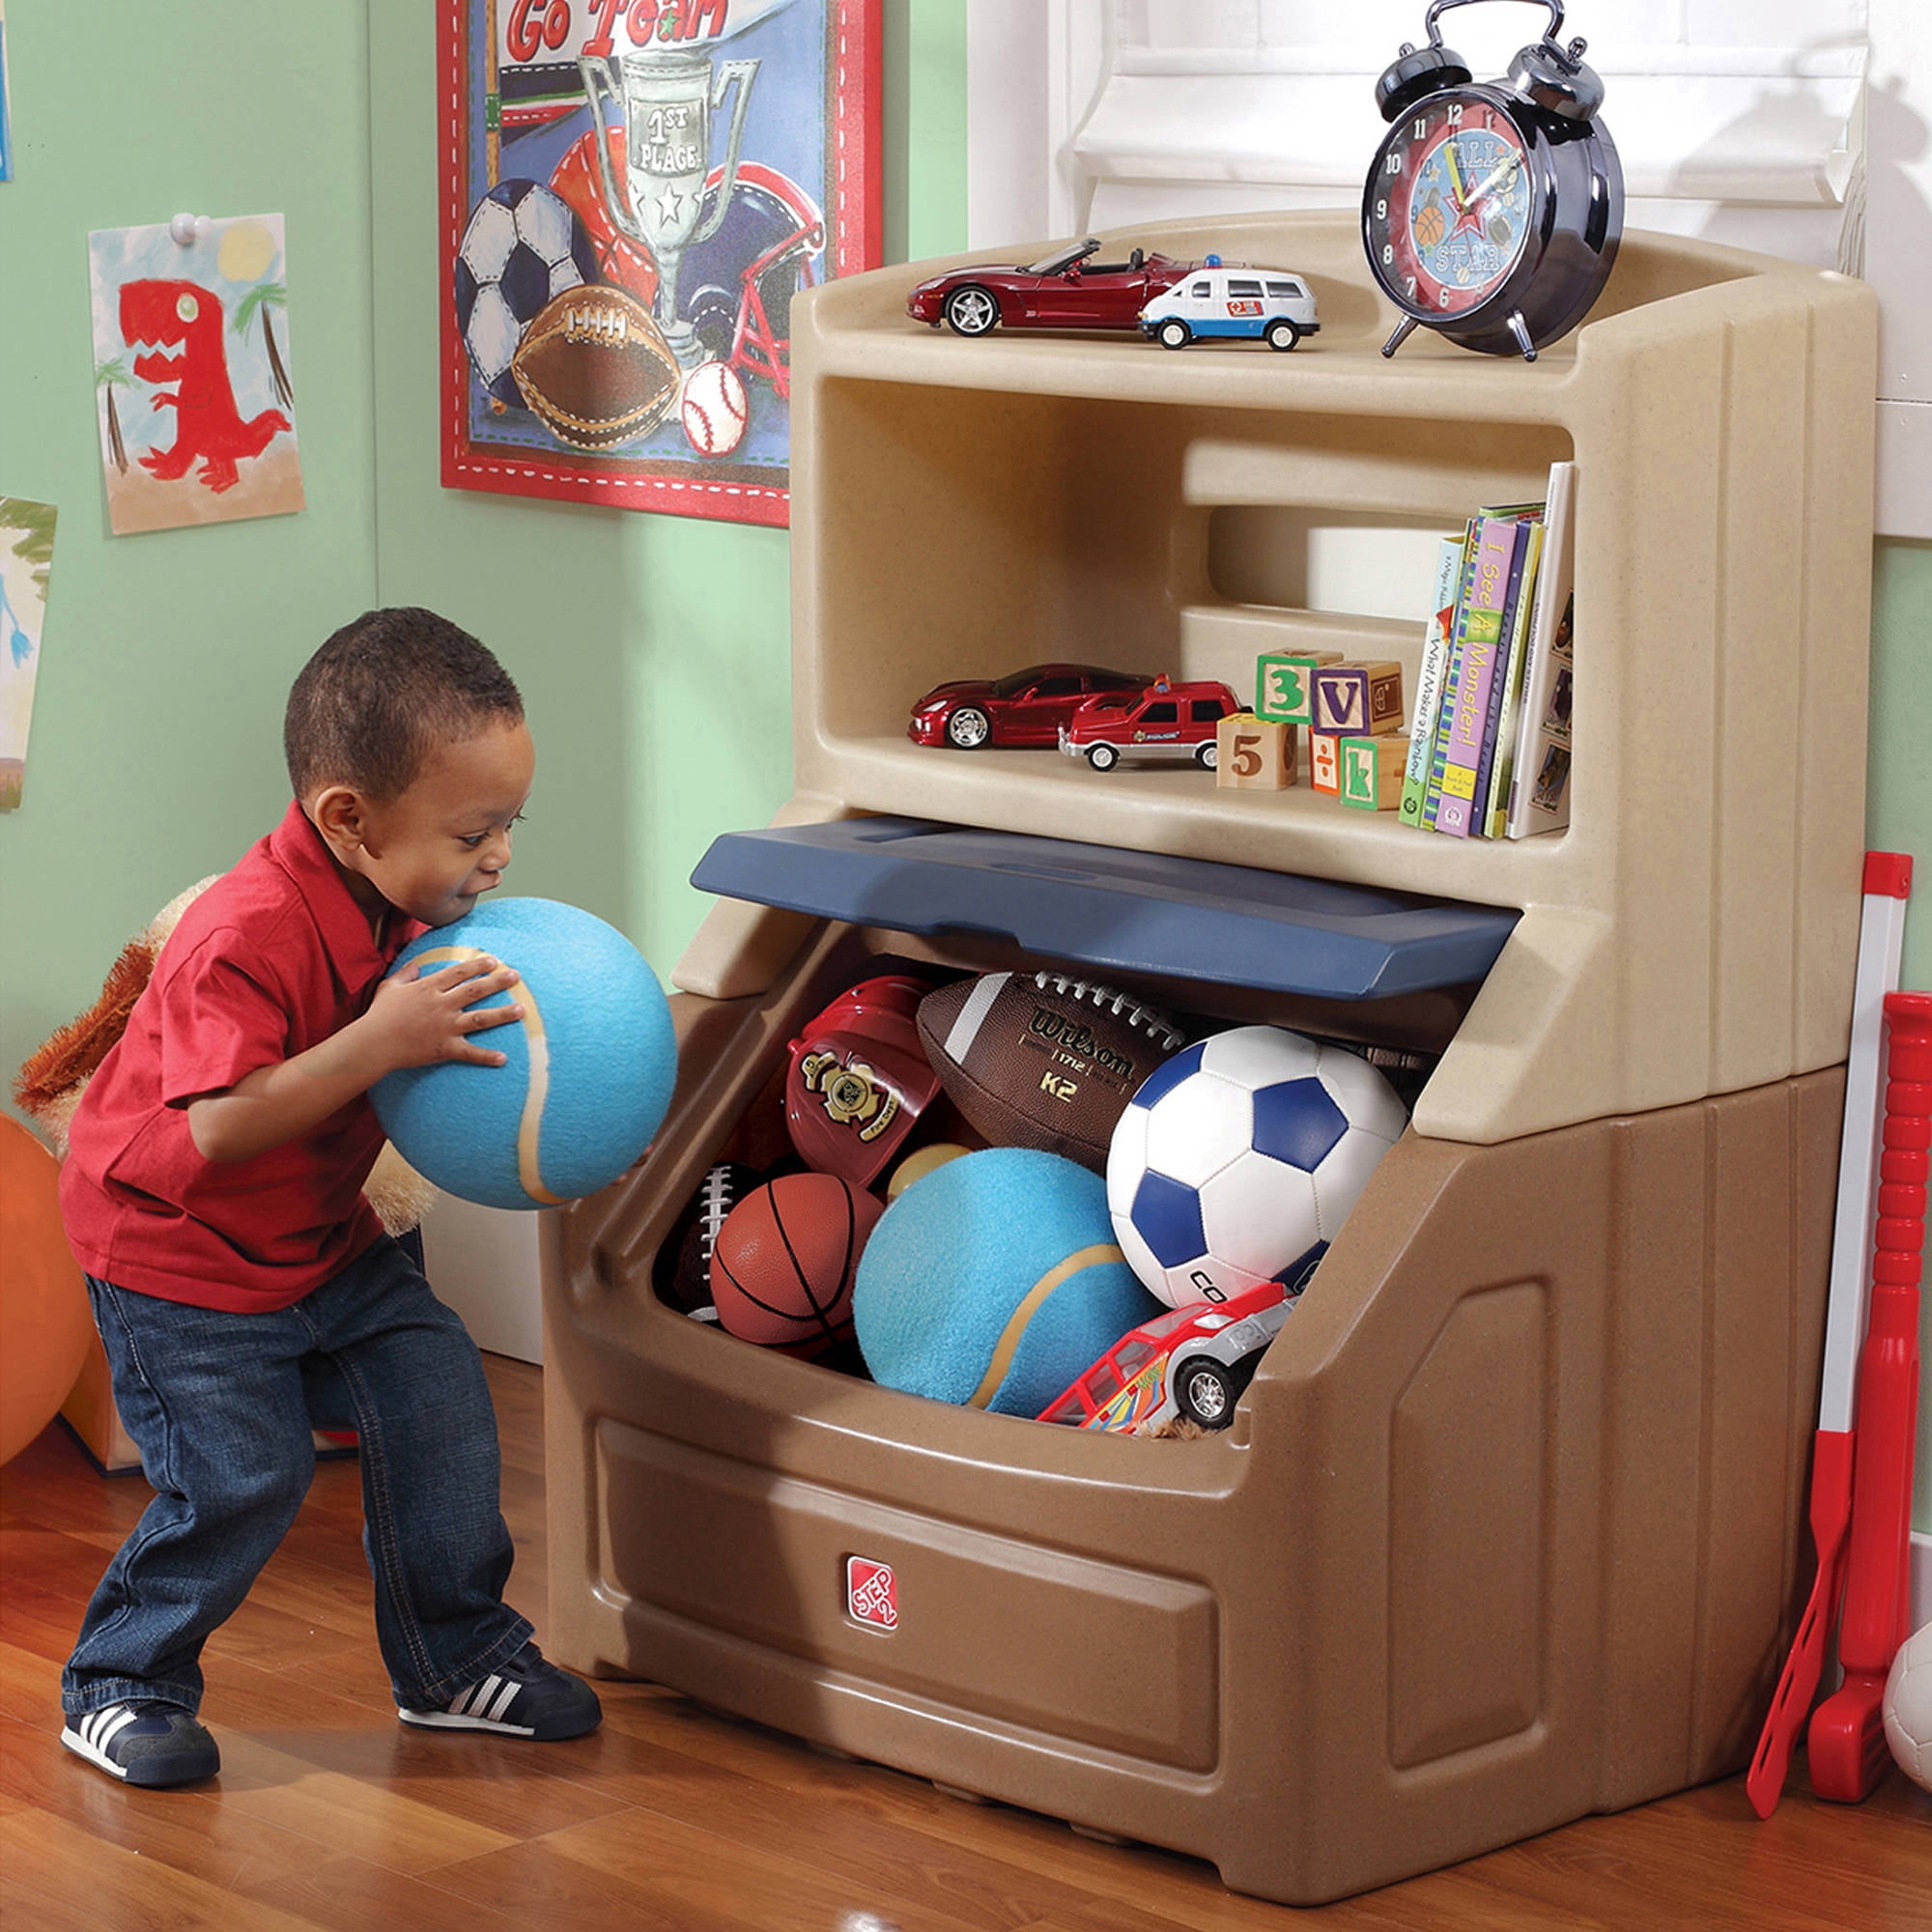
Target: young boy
(213, 1194)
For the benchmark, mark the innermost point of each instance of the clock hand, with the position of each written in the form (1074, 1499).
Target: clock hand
(1495, 175)
(1456, 193)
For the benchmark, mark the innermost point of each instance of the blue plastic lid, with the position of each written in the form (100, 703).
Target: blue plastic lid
(1139, 912)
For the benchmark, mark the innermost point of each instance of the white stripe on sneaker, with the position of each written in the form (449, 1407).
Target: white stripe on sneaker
(473, 1706)
(108, 1724)
(503, 1703)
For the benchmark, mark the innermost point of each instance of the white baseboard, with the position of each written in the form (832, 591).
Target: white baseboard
(1921, 1579)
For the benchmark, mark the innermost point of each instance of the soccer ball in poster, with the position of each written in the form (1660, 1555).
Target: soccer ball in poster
(523, 246)
(1237, 1160)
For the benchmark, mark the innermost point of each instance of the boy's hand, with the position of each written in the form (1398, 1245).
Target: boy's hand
(417, 1019)
(413, 1021)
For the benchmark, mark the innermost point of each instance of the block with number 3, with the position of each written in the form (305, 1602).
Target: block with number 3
(1284, 684)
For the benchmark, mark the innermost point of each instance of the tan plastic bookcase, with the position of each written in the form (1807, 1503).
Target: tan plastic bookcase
(1507, 1527)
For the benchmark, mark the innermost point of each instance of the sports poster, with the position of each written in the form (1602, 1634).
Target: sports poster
(191, 372)
(632, 193)
(27, 558)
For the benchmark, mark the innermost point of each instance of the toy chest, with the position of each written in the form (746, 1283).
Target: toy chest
(1507, 1525)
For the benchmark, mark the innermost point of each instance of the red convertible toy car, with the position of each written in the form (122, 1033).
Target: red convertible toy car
(1026, 708)
(1165, 721)
(1064, 290)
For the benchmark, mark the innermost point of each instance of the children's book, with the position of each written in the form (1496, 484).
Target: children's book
(1506, 698)
(1539, 797)
(1436, 634)
(1472, 668)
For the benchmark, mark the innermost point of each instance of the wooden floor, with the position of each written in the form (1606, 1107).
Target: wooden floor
(329, 1813)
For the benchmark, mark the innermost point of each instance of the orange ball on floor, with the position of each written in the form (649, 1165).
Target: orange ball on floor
(44, 1318)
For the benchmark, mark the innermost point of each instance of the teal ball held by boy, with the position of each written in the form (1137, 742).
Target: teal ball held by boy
(213, 1194)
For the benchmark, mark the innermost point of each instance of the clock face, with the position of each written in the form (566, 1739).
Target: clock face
(1449, 205)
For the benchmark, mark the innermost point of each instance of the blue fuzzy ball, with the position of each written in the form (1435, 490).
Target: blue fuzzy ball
(589, 1071)
(995, 1281)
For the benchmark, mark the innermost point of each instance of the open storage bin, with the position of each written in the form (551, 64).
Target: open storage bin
(1507, 1525)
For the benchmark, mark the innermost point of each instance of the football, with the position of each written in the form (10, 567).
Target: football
(522, 249)
(682, 1271)
(595, 368)
(1040, 1059)
(1240, 1159)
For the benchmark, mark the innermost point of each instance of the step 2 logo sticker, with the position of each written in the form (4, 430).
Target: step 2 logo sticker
(871, 1592)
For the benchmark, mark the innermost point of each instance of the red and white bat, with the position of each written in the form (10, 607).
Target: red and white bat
(1888, 882)
(1846, 1746)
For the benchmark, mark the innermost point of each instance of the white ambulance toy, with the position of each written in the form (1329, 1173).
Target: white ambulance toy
(1242, 303)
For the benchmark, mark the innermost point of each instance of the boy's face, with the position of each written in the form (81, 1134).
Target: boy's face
(433, 851)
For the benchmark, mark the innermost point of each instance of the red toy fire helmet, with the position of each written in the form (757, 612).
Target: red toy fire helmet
(859, 1079)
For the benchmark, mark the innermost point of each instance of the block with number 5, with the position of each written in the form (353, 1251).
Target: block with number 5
(1254, 753)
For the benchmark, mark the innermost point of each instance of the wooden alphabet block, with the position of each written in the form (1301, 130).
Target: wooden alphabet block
(1372, 770)
(1254, 753)
(1361, 698)
(1284, 684)
(1325, 762)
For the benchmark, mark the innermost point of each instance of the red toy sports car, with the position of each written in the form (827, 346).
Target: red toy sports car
(1025, 709)
(1064, 290)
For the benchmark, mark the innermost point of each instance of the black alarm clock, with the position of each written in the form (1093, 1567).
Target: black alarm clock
(1492, 210)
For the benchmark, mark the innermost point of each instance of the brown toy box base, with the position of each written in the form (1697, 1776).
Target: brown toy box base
(1506, 1529)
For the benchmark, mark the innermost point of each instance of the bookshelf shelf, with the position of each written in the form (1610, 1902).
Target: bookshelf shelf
(968, 507)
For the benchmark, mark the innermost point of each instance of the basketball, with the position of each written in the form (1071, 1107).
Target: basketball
(783, 1266)
(590, 1065)
(715, 409)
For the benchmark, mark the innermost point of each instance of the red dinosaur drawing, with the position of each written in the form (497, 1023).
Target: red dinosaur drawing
(187, 319)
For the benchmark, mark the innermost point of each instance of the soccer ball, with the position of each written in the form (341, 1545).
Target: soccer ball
(524, 244)
(1908, 1708)
(1237, 1160)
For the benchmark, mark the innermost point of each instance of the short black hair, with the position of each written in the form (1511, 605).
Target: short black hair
(373, 701)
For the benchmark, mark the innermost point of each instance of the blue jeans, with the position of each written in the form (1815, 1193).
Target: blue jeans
(216, 1403)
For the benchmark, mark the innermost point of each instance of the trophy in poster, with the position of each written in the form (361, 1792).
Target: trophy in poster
(667, 101)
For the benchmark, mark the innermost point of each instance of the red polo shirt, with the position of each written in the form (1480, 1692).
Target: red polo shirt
(270, 961)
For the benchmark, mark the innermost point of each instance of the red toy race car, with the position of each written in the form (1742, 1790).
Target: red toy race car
(1026, 708)
(1064, 290)
(1165, 721)
(1193, 1361)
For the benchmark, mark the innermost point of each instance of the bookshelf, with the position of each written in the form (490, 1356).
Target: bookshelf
(967, 507)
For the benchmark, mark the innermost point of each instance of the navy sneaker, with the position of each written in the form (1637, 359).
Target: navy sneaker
(144, 1742)
(526, 1697)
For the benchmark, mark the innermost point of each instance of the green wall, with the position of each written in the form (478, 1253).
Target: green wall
(155, 752)
(653, 650)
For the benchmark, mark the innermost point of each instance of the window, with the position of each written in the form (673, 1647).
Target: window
(1200, 290)
(1206, 710)
(1057, 687)
(1285, 291)
(1166, 713)
(1250, 289)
